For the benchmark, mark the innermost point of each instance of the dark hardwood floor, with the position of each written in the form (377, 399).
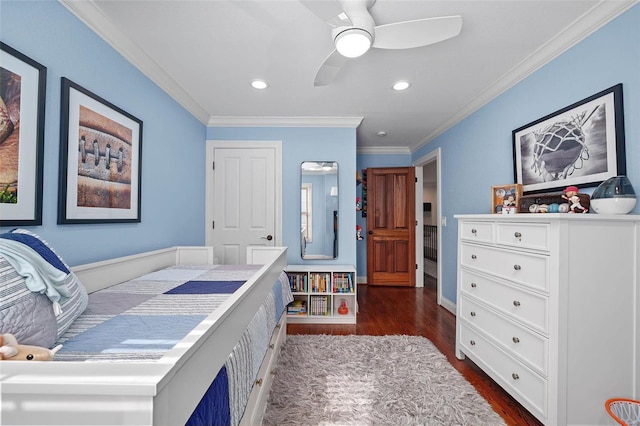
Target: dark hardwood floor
(414, 311)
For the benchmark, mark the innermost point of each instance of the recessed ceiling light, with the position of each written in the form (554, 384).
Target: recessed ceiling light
(401, 85)
(259, 84)
(382, 133)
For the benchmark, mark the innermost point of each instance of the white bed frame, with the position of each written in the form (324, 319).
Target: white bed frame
(153, 393)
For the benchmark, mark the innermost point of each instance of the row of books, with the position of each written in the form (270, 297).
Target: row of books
(321, 282)
(298, 282)
(343, 282)
(319, 305)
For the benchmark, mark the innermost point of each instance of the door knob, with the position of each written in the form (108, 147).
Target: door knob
(268, 237)
(370, 232)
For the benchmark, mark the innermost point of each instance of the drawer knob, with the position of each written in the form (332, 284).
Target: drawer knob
(473, 342)
(474, 231)
(515, 376)
(474, 257)
(517, 267)
(473, 314)
(516, 340)
(516, 303)
(474, 285)
(517, 234)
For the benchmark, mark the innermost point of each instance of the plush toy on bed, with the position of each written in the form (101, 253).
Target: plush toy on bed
(10, 350)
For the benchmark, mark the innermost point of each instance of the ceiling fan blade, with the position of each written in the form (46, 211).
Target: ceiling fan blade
(329, 69)
(329, 11)
(420, 32)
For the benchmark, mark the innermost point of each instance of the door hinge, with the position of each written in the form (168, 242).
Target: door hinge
(416, 266)
(213, 165)
(416, 223)
(213, 224)
(416, 179)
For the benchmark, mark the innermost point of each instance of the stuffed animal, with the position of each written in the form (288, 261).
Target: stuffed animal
(10, 350)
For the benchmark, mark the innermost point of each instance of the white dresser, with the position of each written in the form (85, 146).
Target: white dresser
(548, 307)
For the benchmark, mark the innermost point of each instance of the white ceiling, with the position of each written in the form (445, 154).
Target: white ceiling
(205, 53)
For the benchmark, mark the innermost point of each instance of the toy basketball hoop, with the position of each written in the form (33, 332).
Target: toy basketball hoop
(624, 411)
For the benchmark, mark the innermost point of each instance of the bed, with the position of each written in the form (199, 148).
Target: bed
(164, 386)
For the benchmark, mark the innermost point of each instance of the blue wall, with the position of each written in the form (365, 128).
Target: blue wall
(309, 144)
(173, 173)
(477, 153)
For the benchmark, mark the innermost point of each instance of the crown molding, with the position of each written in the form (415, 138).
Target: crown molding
(93, 17)
(384, 150)
(592, 20)
(350, 122)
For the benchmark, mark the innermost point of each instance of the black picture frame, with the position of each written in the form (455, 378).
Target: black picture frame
(100, 160)
(580, 145)
(23, 83)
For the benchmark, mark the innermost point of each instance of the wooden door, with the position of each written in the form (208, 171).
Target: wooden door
(244, 201)
(391, 226)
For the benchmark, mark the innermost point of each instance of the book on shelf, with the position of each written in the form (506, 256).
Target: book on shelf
(343, 282)
(319, 306)
(297, 307)
(320, 282)
(297, 282)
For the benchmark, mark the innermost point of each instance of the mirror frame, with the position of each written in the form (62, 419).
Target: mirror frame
(327, 213)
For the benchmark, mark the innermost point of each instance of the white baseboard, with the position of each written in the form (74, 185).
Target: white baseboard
(448, 305)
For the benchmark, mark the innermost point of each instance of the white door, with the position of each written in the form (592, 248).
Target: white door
(243, 198)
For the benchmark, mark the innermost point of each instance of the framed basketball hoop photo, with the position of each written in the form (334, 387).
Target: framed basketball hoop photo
(582, 144)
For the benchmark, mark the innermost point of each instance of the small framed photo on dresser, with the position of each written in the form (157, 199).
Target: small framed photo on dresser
(505, 198)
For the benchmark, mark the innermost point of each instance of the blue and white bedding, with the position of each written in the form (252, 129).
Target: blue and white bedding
(141, 319)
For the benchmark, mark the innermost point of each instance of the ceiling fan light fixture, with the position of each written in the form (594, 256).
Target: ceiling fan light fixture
(400, 85)
(259, 84)
(353, 42)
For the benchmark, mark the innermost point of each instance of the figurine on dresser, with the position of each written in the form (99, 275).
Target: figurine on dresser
(571, 195)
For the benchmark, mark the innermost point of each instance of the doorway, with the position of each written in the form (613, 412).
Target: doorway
(428, 200)
(243, 197)
(391, 226)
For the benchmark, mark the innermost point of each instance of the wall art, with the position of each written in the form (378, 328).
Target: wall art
(22, 102)
(100, 160)
(582, 144)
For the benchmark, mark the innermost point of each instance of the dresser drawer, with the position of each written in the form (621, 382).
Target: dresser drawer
(524, 235)
(529, 308)
(524, 343)
(527, 269)
(481, 232)
(517, 379)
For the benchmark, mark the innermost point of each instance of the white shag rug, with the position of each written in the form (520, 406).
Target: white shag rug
(325, 380)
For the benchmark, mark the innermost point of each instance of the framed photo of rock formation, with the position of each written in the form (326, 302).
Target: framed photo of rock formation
(22, 101)
(100, 160)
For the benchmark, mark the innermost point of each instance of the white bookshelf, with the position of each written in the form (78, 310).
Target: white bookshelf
(319, 291)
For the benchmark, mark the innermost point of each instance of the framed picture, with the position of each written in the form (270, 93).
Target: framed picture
(100, 167)
(580, 145)
(505, 199)
(22, 100)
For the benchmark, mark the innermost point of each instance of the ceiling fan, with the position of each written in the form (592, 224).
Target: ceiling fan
(354, 32)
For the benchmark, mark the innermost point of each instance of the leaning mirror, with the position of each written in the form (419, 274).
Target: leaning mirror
(319, 210)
